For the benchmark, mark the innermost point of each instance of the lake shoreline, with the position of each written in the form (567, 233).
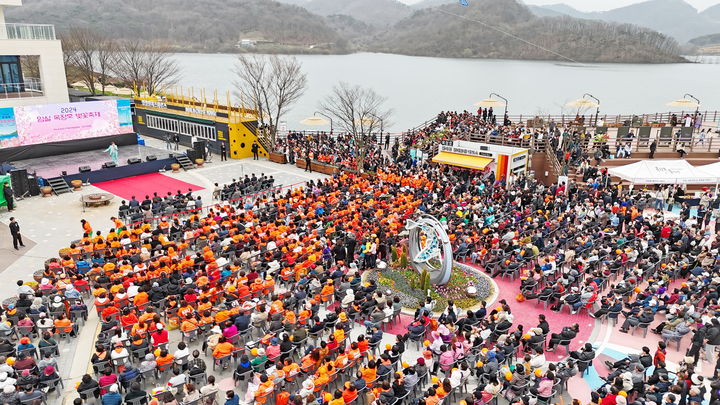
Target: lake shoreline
(418, 88)
(683, 58)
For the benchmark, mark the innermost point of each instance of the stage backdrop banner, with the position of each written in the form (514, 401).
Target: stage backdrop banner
(38, 124)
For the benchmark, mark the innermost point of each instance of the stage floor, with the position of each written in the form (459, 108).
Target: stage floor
(53, 166)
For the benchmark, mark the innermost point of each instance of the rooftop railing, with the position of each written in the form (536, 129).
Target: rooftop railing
(41, 32)
(31, 87)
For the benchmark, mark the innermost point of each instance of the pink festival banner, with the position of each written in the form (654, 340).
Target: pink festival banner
(63, 122)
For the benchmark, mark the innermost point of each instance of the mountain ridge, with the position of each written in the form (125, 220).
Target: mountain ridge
(658, 15)
(444, 34)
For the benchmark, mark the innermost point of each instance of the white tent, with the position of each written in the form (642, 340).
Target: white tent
(664, 172)
(712, 169)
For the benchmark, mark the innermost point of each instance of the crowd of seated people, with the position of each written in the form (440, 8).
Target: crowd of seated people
(245, 186)
(154, 206)
(269, 291)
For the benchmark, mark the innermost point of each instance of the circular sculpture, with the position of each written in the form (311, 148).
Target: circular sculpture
(429, 248)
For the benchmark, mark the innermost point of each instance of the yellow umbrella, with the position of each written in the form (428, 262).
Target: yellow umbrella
(314, 121)
(582, 103)
(683, 102)
(489, 102)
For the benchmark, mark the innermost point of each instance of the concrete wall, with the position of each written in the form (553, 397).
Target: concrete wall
(52, 70)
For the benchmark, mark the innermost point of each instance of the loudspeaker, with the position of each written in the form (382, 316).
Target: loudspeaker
(33, 186)
(192, 154)
(150, 158)
(134, 160)
(19, 182)
(108, 165)
(171, 155)
(83, 169)
(200, 148)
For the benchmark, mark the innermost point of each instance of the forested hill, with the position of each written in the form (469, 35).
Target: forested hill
(218, 25)
(207, 25)
(431, 32)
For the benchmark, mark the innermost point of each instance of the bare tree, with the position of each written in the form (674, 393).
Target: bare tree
(359, 112)
(161, 69)
(129, 67)
(106, 53)
(146, 64)
(80, 52)
(272, 84)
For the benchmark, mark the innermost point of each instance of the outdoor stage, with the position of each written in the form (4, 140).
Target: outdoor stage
(53, 166)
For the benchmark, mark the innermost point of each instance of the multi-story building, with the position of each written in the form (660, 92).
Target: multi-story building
(31, 63)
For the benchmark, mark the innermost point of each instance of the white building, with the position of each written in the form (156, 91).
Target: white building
(31, 63)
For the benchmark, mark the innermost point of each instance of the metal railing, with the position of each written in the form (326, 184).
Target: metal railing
(41, 32)
(710, 118)
(31, 87)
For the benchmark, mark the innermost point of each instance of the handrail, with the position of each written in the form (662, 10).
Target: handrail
(41, 32)
(31, 87)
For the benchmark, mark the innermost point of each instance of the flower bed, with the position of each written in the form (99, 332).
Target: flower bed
(399, 281)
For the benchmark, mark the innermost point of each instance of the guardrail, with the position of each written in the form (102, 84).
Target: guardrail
(36, 32)
(710, 118)
(31, 87)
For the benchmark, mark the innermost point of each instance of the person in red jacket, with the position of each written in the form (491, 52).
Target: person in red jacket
(659, 353)
(160, 336)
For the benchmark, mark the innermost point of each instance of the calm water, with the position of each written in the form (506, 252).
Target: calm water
(417, 88)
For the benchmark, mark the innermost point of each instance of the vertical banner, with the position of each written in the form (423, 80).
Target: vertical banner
(8, 127)
(124, 113)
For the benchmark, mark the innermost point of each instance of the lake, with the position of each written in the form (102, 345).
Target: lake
(417, 88)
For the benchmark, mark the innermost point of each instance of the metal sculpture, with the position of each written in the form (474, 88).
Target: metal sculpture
(433, 252)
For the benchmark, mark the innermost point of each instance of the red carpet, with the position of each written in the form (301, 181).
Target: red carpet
(146, 184)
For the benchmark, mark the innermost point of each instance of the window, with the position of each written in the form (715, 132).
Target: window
(201, 131)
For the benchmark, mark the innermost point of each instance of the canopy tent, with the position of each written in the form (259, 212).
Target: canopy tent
(712, 168)
(466, 161)
(664, 172)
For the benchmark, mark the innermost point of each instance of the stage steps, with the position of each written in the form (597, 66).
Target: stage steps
(59, 185)
(184, 162)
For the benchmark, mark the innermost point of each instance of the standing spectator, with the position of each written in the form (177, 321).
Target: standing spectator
(15, 232)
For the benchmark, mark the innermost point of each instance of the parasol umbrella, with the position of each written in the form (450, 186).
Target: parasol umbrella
(583, 103)
(684, 102)
(489, 102)
(314, 121)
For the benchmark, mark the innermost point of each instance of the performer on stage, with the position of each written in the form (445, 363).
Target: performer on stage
(112, 150)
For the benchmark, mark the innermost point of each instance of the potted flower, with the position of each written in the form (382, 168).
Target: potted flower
(200, 162)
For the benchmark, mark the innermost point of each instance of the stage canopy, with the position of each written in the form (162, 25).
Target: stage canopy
(467, 161)
(664, 172)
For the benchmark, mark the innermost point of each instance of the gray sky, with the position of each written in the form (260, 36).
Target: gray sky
(601, 5)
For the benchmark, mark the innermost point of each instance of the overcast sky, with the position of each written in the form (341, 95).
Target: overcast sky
(601, 5)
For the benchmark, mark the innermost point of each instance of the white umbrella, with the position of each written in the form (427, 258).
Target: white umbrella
(489, 102)
(683, 102)
(583, 103)
(314, 121)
